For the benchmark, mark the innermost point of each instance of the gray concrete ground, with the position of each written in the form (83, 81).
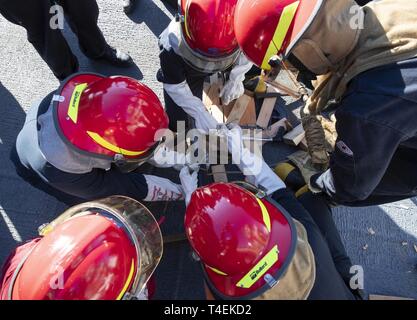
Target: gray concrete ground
(380, 239)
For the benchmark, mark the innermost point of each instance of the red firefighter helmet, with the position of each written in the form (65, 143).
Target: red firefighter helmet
(265, 28)
(111, 117)
(244, 243)
(208, 30)
(102, 250)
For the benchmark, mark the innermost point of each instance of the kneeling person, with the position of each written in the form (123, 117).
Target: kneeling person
(100, 250)
(88, 137)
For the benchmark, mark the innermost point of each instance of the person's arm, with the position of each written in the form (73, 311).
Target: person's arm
(234, 89)
(172, 75)
(161, 189)
(181, 94)
(363, 152)
(252, 165)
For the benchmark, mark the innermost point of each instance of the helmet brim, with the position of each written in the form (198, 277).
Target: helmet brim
(306, 13)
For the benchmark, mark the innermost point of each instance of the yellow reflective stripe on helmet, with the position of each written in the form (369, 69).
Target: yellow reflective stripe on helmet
(185, 21)
(281, 31)
(75, 102)
(265, 215)
(216, 271)
(129, 279)
(105, 144)
(260, 269)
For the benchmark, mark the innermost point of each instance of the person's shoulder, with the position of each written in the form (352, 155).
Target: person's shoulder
(394, 80)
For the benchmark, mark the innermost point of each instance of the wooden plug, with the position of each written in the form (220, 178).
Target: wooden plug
(267, 109)
(295, 136)
(239, 109)
(249, 117)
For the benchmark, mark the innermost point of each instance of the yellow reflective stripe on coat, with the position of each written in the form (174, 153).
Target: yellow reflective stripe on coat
(109, 146)
(260, 269)
(283, 170)
(281, 31)
(129, 279)
(75, 102)
(265, 215)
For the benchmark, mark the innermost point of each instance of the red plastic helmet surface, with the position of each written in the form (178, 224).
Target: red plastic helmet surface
(208, 26)
(238, 237)
(109, 115)
(265, 28)
(86, 257)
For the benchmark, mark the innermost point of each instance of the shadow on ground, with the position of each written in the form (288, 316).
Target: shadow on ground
(148, 12)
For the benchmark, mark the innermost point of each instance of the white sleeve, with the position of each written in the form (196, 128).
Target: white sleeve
(241, 67)
(161, 189)
(181, 94)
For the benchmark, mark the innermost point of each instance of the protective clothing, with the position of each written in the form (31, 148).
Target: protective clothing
(300, 277)
(251, 164)
(381, 39)
(234, 88)
(178, 60)
(42, 153)
(181, 94)
(189, 182)
(245, 243)
(113, 118)
(302, 161)
(266, 28)
(162, 189)
(106, 249)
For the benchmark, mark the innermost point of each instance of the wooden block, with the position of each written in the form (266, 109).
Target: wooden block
(249, 117)
(266, 110)
(239, 109)
(213, 94)
(272, 131)
(380, 297)
(295, 136)
(219, 173)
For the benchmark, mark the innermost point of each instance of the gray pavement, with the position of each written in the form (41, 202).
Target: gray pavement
(380, 239)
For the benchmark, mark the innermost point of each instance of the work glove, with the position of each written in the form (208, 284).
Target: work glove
(161, 189)
(302, 161)
(181, 94)
(205, 121)
(165, 156)
(252, 165)
(234, 89)
(189, 182)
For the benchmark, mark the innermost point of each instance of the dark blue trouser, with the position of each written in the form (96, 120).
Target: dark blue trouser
(332, 263)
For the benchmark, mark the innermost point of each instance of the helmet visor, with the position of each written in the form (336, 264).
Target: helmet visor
(206, 64)
(140, 224)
